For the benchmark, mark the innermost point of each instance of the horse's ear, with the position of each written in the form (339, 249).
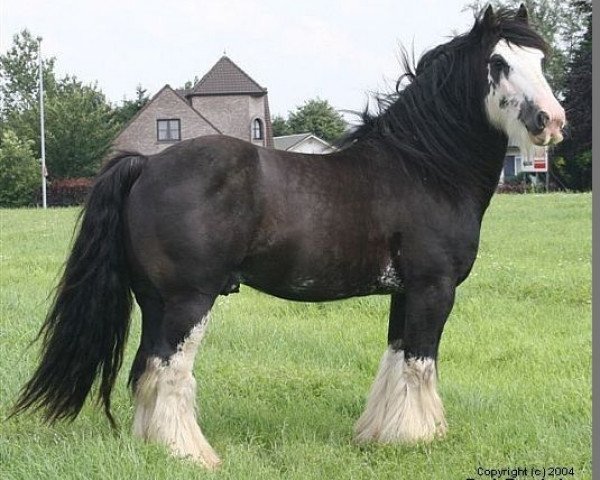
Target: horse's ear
(522, 14)
(488, 16)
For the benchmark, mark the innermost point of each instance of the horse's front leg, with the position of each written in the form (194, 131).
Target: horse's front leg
(404, 405)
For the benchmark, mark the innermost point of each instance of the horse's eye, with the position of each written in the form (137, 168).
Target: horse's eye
(498, 63)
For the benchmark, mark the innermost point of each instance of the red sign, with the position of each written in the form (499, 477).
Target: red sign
(539, 163)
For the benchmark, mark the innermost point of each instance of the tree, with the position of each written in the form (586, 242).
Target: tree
(19, 86)
(189, 84)
(561, 24)
(19, 75)
(20, 173)
(318, 117)
(573, 160)
(125, 112)
(279, 126)
(80, 129)
(80, 124)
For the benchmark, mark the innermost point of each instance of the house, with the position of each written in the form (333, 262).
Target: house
(515, 163)
(303, 143)
(224, 101)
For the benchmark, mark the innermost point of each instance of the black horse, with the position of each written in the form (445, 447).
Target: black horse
(397, 212)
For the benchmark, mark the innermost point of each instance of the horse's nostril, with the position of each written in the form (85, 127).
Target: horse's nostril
(541, 120)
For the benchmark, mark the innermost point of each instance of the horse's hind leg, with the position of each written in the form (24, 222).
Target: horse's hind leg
(404, 405)
(164, 385)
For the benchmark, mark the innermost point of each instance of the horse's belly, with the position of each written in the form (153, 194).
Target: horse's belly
(321, 281)
(319, 256)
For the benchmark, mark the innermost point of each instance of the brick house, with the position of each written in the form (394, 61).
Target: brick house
(225, 101)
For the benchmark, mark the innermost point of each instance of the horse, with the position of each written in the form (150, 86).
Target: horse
(397, 211)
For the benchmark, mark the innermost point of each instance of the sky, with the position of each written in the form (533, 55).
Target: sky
(336, 50)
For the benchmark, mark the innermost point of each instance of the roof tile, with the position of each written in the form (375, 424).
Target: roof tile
(226, 78)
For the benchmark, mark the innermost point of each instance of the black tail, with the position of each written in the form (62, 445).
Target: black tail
(85, 331)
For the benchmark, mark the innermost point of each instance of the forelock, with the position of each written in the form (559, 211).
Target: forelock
(506, 25)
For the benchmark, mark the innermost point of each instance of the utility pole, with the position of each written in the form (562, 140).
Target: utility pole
(547, 171)
(42, 132)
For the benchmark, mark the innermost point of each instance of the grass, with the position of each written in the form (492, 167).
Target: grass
(281, 384)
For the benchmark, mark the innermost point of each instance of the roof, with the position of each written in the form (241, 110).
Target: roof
(286, 142)
(166, 88)
(226, 78)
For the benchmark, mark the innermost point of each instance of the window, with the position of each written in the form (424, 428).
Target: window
(518, 164)
(509, 167)
(168, 130)
(257, 129)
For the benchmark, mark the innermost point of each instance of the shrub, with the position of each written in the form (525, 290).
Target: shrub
(20, 173)
(511, 188)
(65, 192)
(523, 182)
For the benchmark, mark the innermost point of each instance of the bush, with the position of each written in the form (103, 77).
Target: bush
(511, 188)
(574, 173)
(20, 173)
(65, 192)
(521, 183)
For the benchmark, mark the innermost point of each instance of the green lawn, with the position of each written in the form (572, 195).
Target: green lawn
(281, 384)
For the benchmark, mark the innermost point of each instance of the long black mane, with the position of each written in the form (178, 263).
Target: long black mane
(437, 124)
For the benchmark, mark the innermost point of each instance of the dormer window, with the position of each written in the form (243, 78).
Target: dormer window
(257, 129)
(168, 130)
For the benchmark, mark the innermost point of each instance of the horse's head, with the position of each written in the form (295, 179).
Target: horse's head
(519, 101)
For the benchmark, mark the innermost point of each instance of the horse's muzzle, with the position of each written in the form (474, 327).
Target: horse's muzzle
(550, 135)
(544, 121)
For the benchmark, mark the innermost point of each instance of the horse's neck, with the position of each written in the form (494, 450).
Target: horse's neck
(467, 149)
(487, 156)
